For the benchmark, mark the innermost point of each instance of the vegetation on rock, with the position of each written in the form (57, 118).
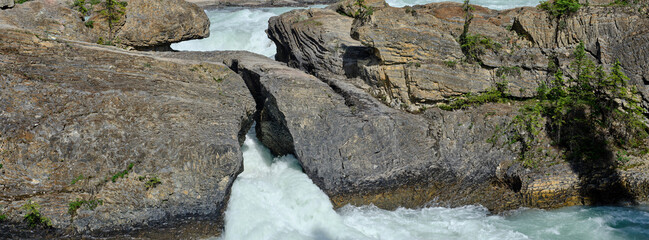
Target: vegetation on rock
(587, 113)
(498, 93)
(122, 173)
(474, 45)
(560, 8)
(34, 217)
(152, 182)
(89, 204)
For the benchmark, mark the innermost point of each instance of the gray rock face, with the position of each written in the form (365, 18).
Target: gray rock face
(608, 33)
(45, 18)
(161, 22)
(418, 61)
(147, 24)
(360, 151)
(314, 40)
(375, 154)
(74, 116)
(6, 4)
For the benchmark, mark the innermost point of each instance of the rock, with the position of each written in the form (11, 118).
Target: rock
(4, 4)
(74, 116)
(147, 24)
(360, 151)
(609, 34)
(48, 19)
(154, 23)
(312, 40)
(417, 59)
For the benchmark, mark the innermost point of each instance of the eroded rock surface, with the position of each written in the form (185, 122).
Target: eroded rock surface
(418, 60)
(74, 116)
(391, 158)
(145, 24)
(360, 151)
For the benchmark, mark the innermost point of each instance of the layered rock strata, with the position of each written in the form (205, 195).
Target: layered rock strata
(417, 59)
(144, 24)
(410, 58)
(137, 140)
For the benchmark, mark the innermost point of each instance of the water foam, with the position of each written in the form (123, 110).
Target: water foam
(273, 199)
(237, 29)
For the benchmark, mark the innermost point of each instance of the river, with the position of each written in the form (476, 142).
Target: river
(273, 199)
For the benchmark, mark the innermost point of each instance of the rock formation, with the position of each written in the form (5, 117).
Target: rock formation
(410, 58)
(143, 25)
(6, 4)
(418, 60)
(154, 24)
(105, 139)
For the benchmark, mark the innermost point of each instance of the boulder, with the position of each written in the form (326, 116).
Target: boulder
(137, 140)
(48, 18)
(153, 24)
(6, 4)
(314, 40)
(145, 24)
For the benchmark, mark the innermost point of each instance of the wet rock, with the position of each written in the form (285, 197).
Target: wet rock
(86, 122)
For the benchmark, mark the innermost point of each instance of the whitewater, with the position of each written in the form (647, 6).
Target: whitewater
(273, 199)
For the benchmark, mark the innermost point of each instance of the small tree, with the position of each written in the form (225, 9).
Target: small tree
(113, 11)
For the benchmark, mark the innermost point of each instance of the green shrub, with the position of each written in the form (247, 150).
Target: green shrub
(122, 173)
(450, 64)
(474, 46)
(21, 1)
(89, 24)
(499, 93)
(152, 183)
(75, 180)
(90, 204)
(560, 8)
(587, 114)
(80, 5)
(34, 217)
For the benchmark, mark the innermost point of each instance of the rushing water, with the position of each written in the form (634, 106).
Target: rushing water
(236, 29)
(273, 199)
